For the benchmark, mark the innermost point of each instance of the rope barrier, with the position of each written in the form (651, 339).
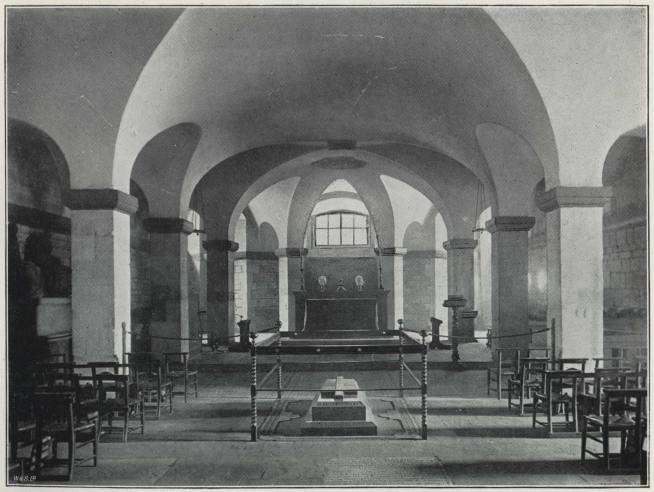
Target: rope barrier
(498, 336)
(196, 339)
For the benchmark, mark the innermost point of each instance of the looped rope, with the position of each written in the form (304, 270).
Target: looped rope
(526, 333)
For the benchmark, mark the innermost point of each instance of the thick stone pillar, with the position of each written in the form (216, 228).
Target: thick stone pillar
(461, 270)
(100, 256)
(575, 280)
(259, 270)
(440, 290)
(290, 280)
(393, 277)
(220, 293)
(169, 281)
(510, 294)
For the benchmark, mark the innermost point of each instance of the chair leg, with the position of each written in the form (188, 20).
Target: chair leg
(142, 417)
(159, 398)
(71, 456)
(185, 388)
(533, 413)
(95, 451)
(170, 397)
(550, 425)
(488, 382)
(125, 421)
(605, 448)
(196, 385)
(583, 443)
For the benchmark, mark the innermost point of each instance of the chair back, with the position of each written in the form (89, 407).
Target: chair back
(539, 352)
(569, 363)
(116, 387)
(554, 381)
(532, 367)
(631, 402)
(507, 357)
(609, 362)
(175, 361)
(54, 407)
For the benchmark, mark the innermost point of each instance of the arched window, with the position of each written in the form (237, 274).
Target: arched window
(341, 229)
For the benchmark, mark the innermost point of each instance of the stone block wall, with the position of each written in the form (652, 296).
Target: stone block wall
(625, 269)
(263, 292)
(418, 290)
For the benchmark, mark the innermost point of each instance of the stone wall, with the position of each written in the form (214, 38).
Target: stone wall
(141, 293)
(263, 292)
(418, 289)
(625, 269)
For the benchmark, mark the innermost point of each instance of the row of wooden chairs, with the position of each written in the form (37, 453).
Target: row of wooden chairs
(599, 405)
(63, 402)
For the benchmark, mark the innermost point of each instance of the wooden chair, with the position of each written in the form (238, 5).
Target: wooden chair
(501, 369)
(177, 369)
(56, 418)
(120, 395)
(22, 430)
(526, 381)
(155, 389)
(558, 394)
(631, 425)
(590, 400)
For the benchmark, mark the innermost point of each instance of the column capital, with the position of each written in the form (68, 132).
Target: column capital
(168, 225)
(220, 245)
(460, 243)
(574, 196)
(392, 251)
(291, 252)
(100, 199)
(510, 223)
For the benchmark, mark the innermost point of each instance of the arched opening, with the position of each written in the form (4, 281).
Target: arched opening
(39, 246)
(625, 248)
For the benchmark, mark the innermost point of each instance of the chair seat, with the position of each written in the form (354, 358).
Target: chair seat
(177, 374)
(598, 420)
(25, 425)
(110, 404)
(58, 429)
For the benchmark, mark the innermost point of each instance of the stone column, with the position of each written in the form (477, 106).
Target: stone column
(393, 278)
(290, 280)
(220, 294)
(461, 270)
(259, 270)
(100, 257)
(575, 280)
(169, 281)
(510, 292)
(440, 290)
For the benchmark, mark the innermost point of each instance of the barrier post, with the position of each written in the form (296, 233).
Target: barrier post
(279, 369)
(423, 388)
(401, 363)
(253, 389)
(124, 327)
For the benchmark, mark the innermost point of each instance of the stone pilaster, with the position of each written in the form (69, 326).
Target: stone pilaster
(100, 257)
(169, 279)
(289, 263)
(220, 278)
(460, 270)
(393, 277)
(575, 280)
(509, 259)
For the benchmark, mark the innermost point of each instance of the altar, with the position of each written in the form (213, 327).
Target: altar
(339, 314)
(341, 295)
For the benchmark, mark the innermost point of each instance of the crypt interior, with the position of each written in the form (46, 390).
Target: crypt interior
(345, 200)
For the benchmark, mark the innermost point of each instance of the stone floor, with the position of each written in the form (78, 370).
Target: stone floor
(473, 441)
